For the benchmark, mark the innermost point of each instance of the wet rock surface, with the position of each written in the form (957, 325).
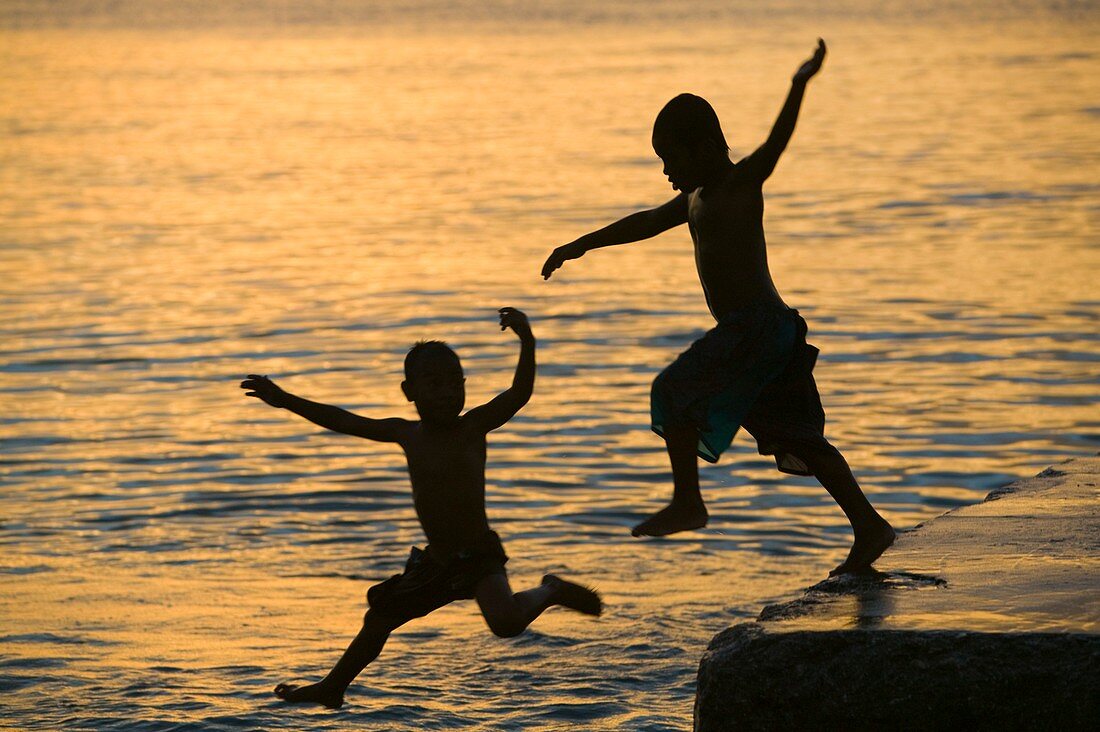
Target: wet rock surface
(984, 618)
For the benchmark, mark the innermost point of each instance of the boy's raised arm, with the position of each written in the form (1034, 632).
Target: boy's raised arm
(325, 415)
(635, 227)
(504, 406)
(762, 162)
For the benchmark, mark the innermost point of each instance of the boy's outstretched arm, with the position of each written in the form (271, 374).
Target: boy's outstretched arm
(635, 227)
(325, 415)
(762, 162)
(504, 406)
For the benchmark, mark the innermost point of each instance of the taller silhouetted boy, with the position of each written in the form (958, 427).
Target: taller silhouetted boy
(754, 369)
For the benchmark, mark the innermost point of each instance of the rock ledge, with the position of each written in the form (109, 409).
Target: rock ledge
(984, 618)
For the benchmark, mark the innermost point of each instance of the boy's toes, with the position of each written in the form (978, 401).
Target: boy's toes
(573, 596)
(866, 550)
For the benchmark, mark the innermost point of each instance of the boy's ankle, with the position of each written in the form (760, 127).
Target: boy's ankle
(693, 502)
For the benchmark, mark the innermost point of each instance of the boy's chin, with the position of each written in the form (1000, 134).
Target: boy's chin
(439, 417)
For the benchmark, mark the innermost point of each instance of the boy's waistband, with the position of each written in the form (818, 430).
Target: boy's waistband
(756, 310)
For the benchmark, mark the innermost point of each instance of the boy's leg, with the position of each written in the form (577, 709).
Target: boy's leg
(363, 649)
(686, 511)
(873, 533)
(509, 614)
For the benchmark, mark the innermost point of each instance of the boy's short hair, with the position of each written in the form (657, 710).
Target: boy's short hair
(428, 349)
(688, 120)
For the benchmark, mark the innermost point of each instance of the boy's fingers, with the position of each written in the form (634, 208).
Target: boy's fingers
(549, 267)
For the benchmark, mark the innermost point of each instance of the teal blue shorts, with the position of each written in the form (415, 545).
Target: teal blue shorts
(753, 369)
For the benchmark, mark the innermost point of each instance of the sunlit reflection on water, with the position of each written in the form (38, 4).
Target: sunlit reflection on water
(180, 210)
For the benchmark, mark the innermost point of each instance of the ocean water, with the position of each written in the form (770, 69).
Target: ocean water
(192, 192)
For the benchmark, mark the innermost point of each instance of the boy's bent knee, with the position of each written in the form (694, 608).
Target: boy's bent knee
(506, 628)
(817, 452)
(374, 620)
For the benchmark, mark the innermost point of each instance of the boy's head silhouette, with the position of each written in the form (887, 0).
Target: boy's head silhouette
(434, 381)
(688, 138)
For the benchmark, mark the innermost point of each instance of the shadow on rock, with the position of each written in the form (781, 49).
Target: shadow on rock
(867, 596)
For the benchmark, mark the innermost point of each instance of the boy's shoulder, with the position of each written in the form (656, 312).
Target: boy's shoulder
(743, 174)
(738, 184)
(466, 425)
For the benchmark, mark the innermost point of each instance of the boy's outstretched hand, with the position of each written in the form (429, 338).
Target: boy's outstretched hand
(517, 321)
(264, 388)
(559, 256)
(812, 66)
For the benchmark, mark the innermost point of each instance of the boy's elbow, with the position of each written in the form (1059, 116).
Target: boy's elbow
(528, 388)
(520, 396)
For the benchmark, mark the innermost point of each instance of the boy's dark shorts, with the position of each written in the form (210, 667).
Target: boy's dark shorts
(428, 584)
(753, 370)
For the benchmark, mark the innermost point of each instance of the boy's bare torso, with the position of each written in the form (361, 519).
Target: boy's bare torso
(447, 472)
(727, 227)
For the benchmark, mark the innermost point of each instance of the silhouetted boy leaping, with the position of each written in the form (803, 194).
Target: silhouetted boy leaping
(464, 558)
(755, 368)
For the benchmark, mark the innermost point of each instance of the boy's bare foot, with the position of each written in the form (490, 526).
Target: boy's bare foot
(573, 596)
(313, 693)
(672, 518)
(868, 546)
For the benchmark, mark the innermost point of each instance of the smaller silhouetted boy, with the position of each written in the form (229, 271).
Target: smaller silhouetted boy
(445, 450)
(754, 369)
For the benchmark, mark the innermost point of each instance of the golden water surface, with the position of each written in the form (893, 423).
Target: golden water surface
(183, 204)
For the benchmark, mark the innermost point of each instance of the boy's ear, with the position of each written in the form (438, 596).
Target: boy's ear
(405, 390)
(706, 148)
